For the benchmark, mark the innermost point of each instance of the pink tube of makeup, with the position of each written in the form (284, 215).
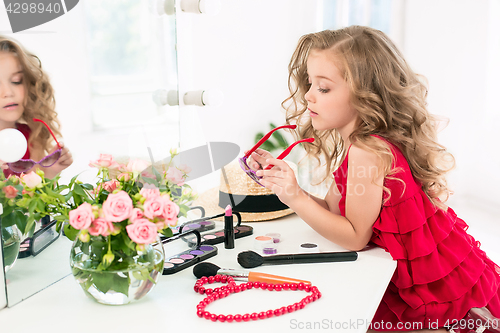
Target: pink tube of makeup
(228, 228)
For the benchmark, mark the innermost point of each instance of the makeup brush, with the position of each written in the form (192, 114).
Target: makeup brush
(208, 269)
(250, 259)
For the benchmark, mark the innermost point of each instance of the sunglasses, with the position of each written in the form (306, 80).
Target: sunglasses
(24, 165)
(243, 161)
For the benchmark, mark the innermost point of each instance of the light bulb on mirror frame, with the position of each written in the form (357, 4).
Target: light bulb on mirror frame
(209, 97)
(162, 97)
(13, 145)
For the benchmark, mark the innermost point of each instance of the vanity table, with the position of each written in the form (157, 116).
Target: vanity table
(351, 292)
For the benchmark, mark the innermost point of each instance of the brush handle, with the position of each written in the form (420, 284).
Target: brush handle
(305, 258)
(274, 279)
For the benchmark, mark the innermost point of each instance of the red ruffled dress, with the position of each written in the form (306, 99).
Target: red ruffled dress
(441, 271)
(23, 128)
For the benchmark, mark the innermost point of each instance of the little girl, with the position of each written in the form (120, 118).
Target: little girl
(26, 94)
(352, 91)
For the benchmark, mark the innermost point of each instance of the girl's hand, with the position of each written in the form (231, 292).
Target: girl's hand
(281, 180)
(257, 160)
(62, 163)
(3, 165)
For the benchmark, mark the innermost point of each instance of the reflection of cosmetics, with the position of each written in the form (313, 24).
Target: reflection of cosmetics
(309, 248)
(40, 240)
(24, 249)
(275, 236)
(228, 228)
(250, 259)
(180, 261)
(208, 269)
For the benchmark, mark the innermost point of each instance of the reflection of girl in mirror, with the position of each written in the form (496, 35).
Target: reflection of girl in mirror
(352, 91)
(26, 94)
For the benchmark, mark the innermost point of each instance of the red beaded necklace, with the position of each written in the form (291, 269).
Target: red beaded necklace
(232, 287)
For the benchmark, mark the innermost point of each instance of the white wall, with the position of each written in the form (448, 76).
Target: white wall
(244, 52)
(455, 44)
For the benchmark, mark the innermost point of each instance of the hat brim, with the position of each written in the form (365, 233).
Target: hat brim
(210, 201)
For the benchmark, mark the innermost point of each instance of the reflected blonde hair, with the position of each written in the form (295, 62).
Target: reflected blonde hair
(390, 100)
(39, 100)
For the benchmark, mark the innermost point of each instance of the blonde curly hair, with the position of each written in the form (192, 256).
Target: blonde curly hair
(390, 100)
(39, 100)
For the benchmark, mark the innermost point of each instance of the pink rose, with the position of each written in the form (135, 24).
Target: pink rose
(136, 215)
(28, 193)
(149, 193)
(170, 212)
(14, 179)
(117, 207)
(185, 168)
(124, 177)
(10, 191)
(104, 161)
(101, 227)
(175, 176)
(160, 225)
(111, 185)
(136, 166)
(31, 180)
(155, 207)
(142, 231)
(81, 217)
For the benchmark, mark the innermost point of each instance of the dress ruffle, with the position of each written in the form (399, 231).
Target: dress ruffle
(441, 271)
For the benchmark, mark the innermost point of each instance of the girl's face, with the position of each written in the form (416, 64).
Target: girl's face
(12, 91)
(329, 96)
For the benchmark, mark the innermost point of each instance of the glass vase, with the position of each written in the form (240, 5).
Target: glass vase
(11, 237)
(127, 279)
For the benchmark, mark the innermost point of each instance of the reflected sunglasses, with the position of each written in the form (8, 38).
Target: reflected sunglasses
(243, 161)
(24, 165)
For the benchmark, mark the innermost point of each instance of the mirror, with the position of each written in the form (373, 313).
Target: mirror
(105, 60)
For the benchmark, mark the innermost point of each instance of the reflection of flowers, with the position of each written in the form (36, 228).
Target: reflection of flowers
(29, 197)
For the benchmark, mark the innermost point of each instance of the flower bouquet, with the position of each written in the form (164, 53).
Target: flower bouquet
(116, 255)
(25, 200)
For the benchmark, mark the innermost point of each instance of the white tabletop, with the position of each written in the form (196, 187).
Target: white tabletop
(351, 294)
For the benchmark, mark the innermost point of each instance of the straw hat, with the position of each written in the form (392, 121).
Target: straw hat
(254, 202)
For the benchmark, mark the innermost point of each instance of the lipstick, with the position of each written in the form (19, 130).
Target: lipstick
(228, 228)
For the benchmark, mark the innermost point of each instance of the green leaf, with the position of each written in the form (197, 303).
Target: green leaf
(32, 206)
(167, 232)
(87, 186)
(121, 284)
(103, 281)
(268, 145)
(281, 141)
(40, 205)
(30, 224)
(78, 189)
(70, 232)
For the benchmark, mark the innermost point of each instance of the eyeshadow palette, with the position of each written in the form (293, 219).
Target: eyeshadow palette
(217, 237)
(188, 258)
(177, 262)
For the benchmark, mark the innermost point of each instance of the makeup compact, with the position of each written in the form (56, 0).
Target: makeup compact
(217, 237)
(179, 261)
(40, 240)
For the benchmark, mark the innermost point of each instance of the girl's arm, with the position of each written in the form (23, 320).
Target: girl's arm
(363, 200)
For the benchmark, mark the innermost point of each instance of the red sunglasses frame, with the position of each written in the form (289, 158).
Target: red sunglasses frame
(17, 169)
(243, 161)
